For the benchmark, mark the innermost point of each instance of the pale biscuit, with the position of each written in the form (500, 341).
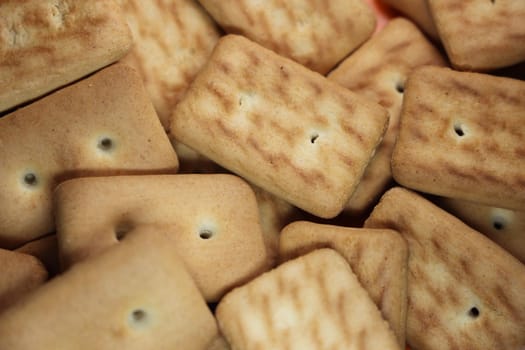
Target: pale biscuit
(504, 226)
(172, 41)
(461, 136)
(281, 126)
(20, 274)
(102, 125)
(464, 291)
(419, 12)
(317, 34)
(481, 35)
(214, 221)
(44, 249)
(136, 295)
(312, 302)
(45, 44)
(378, 70)
(377, 257)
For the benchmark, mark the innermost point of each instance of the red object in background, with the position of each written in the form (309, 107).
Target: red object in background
(383, 13)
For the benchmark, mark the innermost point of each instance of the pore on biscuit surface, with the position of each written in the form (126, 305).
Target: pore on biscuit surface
(281, 126)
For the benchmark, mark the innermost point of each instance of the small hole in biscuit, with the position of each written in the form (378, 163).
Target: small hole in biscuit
(205, 233)
(458, 129)
(138, 318)
(121, 230)
(314, 138)
(400, 87)
(105, 144)
(473, 312)
(30, 179)
(498, 224)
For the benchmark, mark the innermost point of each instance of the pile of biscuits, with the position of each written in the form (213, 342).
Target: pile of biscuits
(183, 174)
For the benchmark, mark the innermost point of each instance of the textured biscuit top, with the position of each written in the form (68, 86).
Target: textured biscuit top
(45, 44)
(461, 136)
(481, 35)
(315, 33)
(281, 126)
(464, 291)
(172, 41)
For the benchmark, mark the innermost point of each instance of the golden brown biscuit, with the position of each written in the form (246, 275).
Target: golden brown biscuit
(172, 41)
(461, 136)
(481, 35)
(281, 126)
(214, 221)
(378, 70)
(20, 274)
(317, 34)
(312, 302)
(46, 44)
(102, 125)
(464, 291)
(135, 295)
(377, 257)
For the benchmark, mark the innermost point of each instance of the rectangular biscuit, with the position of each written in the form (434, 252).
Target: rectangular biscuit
(213, 218)
(136, 295)
(45, 44)
(172, 40)
(313, 302)
(464, 291)
(281, 126)
(316, 33)
(481, 35)
(378, 258)
(461, 136)
(102, 125)
(378, 70)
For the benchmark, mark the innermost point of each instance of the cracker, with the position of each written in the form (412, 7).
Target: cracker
(419, 12)
(172, 41)
(214, 220)
(378, 70)
(21, 274)
(464, 291)
(461, 136)
(317, 34)
(377, 257)
(45, 44)
(312, 302)
(136, 295)
(102, 125)
(44, 249)
(282, 127)
(504, 226)
(481, 35)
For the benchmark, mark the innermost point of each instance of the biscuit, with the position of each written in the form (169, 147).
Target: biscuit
(504, 226)
(461, 136)
(102, 125)
(46, 44)
(378, 70)
(316, 34)
(312, 302)
(21, 274)
(44, 249)
(136, 295)
(281, 126)
(172, 41)
(481, 35)
(419, 12)
(377, 257)
(213, 219)
(464, 291)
